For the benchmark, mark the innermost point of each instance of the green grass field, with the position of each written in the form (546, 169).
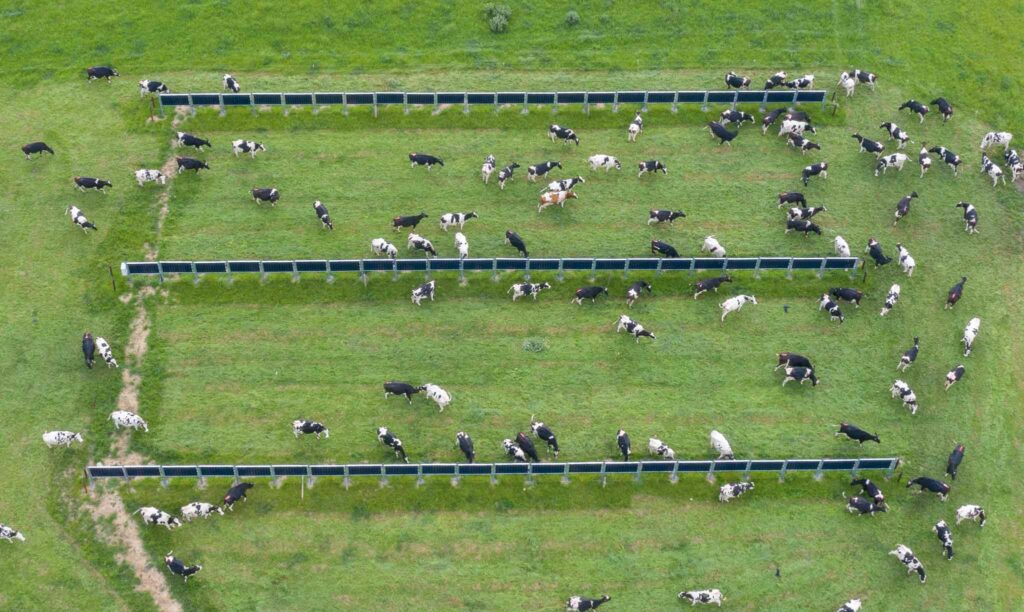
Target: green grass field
(229, 366)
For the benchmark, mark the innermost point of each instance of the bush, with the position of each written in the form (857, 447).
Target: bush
(498, 24)
(497, 16)
(572, 18)
(534, 345)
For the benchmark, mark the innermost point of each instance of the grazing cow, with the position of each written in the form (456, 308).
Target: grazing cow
(775, 80)
(906, 261)
(36, 147)
(930, 484)
(635, 127)
(391, 441)
(890, 299)
(924, 160)
(842, 248)
(721, 445)
(105, 352)
(100, 72)
(577, 603)
(652, 166)
(61, 438)
(800, 225)
(796, 127)
(818, 169)
(729, 491)
(265, 194)
(505, 175)
(407, 221)
(851, 606)
(486, 170)
(155, 516)
(717, 130)
(180, 569)
(733, 80)
(804, 213)
(895, 133)
(709, 284)
(661, 216)
(189, 163)
(903, 206)
(565, 184)
(236, 492)
(526, 444)
(848, 83)
(513, 450)
(770, 118)
(735, 303)
(970, 333)
(915, 107)
(792, 197)
(950, 158)
(556, 197)
(231, 84)
(421, 159)
(706, 596)
(123, 418)
(802, 83)
(419, 243)
(513, 239)
(992, 170)
(827, 304)
(942, 531)
(566, 134)
(863, 506)
(909, 356)
(426, 290)
(632, 327)
(970, 512)
(868, 78)
(588, 293)
(712, 246)
(150, 87)
(802, 143)
(847, 294)
(663, 248)
(300, 427)
(875, 249)
(660, 449)
(907, 558)
(246, 146)
(451, 219)
(735, 116)
(544, 432)
(896, 160)
(856, 433)
(996, 138)
(955, 293)
(622, 440)
(635, 290)
(147, 176)
(901, 390)
(953, 463)
(868, 487)
(800, 375)
(944, 107)
(10, 534)
(323, 215)
(394, 387)
(954, 376)
(85, 182)
(518, 290)
(604, 161)
(88, 349)
(441, 397)
(1014, 163)
(189, 140)
(793, 360)
(465, 444)
(461, 245)
(199, 510)
(380, 246)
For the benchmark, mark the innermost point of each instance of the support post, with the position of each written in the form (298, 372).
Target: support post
(625, 268)
(604, 474)
(375, 104)
(693, 266)
(639, 471)
(593, 269)
(643, 108)
(160, 271)
(195, 275)
(191, 106)
(704, 104)
(344, 104)
(856, 468)
(234, 470)
(674, 476)
(383, 476)
(675, 102)
(465, 103)
(782, 472)
(455, 476)
(295, 271)
(419, 475)
(494, 474)
(529, 475)
(757, 269)
(526, 273)
(201, 482)
(819, 472)
(554, 107)
(586, 103)
(346, 479)
(657, 271)
(311, 479)
(764, 102)
(789, 270)
(462, 270)
(494, 270)
(892, 468)
(124, 474)
(746, 472)
(853, 270)
(735, 98)
(615, 103)
(526, 107)
(405, 102)
(227, 266)
(263, 273)
(821, 270)
(426, 270)
(561, 272)
(565, 475)
(711, 472)
(163, 477)
(223, 109)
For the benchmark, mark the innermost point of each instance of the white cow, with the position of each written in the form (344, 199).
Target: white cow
(10, 534)
(603, 161)
(439, 395)
(490, 163)
(735, 303)
(461, 245)
(990, 168)
(635, 127)
(906, 260)
(61, 438)
(246, 146)
(155, 516)
(841, 247)
(106, 353)
(996, 138)
(970, 512)
(848, 83)
(706, 596)
(380, 246)
(199, 509)
(851, 606)
(925, 160)
(712, 246)
(970, 333)
(720, 444)
(150, 176)
(896, 160)
(79, 218)
(659, 448)
(123, 418)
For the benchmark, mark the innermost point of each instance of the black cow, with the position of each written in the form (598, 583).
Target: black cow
(100, 72)
(235, 493)
(393, 387)
(818, 169)
(863, 506)
(566, 134)
(930, 484)
(36, 147)
(868, 78)
(88, 349)
(544, 432)
(189, 140)
(792, 360)
(875, 249)
(407, 221)
(710, 284)
(869, 146)
(801, 225)
(848, 294)
(635, 290)
(869, 488)
(970, 217)
(954, 376)
(909, 356)
(792, 197)
(178, 568)
(770, 118)
(735, 116)
(915, 107)
(856, 433)
(526, 444)
(953, 463)
(734, 80)
(622, 439)
(724, 136)
(652, 166)
(663, 248)
(588, 293)
(944, 107)
(85, 182)
(465, 444)
(421, 159)
(265, 194)
(952, 159)
(188, 163)
(661, 216)
(323, 215)
(512, 238)
(955, 293)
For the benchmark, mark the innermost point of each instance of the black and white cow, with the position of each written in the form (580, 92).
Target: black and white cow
(970, 333)
(932, 485)
(452, 219)
(875, 249)
(733, 80)
(391, 441)
(199, 510)
(265, 194)
(909, 356)
(659, 449)
(236, 492)
(851, 606)
(724, 136)
(10, 534)
(895, 160)
(151, 87)
(155, 516)
(721, 445)
(804, 212)
(863, 506)
(632, 327)
(513, 239)
(955, 293)
(231, 84)
(565, 184)
(424, 291)
(890, 299)
(802, 83)
(895, 133)
(635, 127)
(380, 246)
(544, 432)
(944, 107)
(868, 78)
(796, 127)
(300, 426)
(130, 420)
(706, 596)
(735, 116)
(88, 349)
(538, 170)
(800, 375)
(802, 143)
(513, 450)
(818, 169)
(178, 568)
(709, 284)
(954, 460)
(847, 294)
(100, 72)
(36, 147)
(323, 215)
(733, 304)
(661, 216)
(61, 438)
(730, 491)
(801, 225)
(970, 512)
(190, 140)
(652, 166)
(869, 488)
(150, 176)
(856, 433)
(713, 246)
(505, 175)
(622, 441)
(663, 248)
(518, 290)
(992, 170)
(793, 360)
(770, 118)
(407, 221)
(577, 603)
(246, 146)
(635, 291)
(841, 247)
(588, 293)
(776, 79)
(436, 393)
(950, 158)
(526, 444)
(465, 444)
(997, 138)
(902, 391)
(86, 182)
(394, 387)
(189, 163)
(869, 146)
(419, 243)
(105, 352)
(1014, 163)
(915, 107)
(954, 376)
(907, 558)
(903, 206)
(945, 536)
(827, 304)
(487, 169)
(422, 159)
(792, 197)
(924, 159)
(566, 134)
(604, 161)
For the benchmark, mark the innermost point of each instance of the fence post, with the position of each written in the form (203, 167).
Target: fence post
(346, 479)
(746, 472)
(735, 98)
(819, 472)
(526, 273)
(643, 108)
(191, 106)
(615, 103)
(227, 266)
(853, 270)
(405, 102)
(704, 104)
(362, 273)
(88, 474)
(455, 477)
(789, 270)
(586, 103)
(124, 473)
(419, 475)
(796, 96)
(163, 477)
(234, 469)
(604, 474)
(554, 107)
(295, 271)
(465, 102)
(383, 476)
(639, 470)
(561, 275)
(782, 472)
(529, 475)
(495, 102)
(593, 269)
(160, 270)
(625, 269)
(675, 102)
(426, 270)
(757, 269)
(711, 472)
(394, 269)
(657, 271)
(821, 270)
(201, 482)
(223, 109)
(565, 475)
(494, 474)
(263, 274)
(374, 104)
(764, 102)
(674, 476)
(892, 468)
(494, 270)
(462, 272)
(856, 468)
(693, 266)
(344, 104)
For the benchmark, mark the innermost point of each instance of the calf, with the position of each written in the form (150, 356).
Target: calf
(394, 387)
(486, 170)
(950, 158)
(847, 294)
(604, 161)
(775, 80)
(970, 513)
(566, 134)
(180, 569)
(868, 78)
(265, 194)
(635, 290)
(441, 397)
(407, 221)
(424, 291)
(100, 72)
(246, 146)
(924, 160)
(231, 84)
(794, 360)
(712, 246)
(421, 159)
(890, 299)
(792, 197)
(544, 432)
(323, 215)
(856, 433)
(123, 418)
(199, 510)
(632, 327)
(944, 107)
(954, 376)
(875, 250)
(155, 516)
(420, 243)
(851, 606)
(556, 197)
(841, 247)
(942, 531)
(970, 333)
(88, 349)
(150, 87)
(909, 356)
(105, 352)
(86, 182)
(661, 216)
(188, 140)
(588, 293)
(770, 118)
(635, 127)
(526, 444)
(930, 484)
(380, 246)
(800, 225)
(565, 184)
(10, 534)
(955, 293)
(300, 427)
(735, 303)
(709, 284)
(1014, 163)
(992, 170)
(188, 163)
(36, 147)
(652, 166)
(506, 175)
(826, 304)
(707, 596)
(663, 248)
(903, 206)
(868, 487)
(996, 138)
(869, 146)
(150, 176)
(622, 441)
(61, 438)
(721, 445)
(800, 375)
(236, 492)
(818, 169)
(513, 450)
(452, 219)
(953, 463)
(577, 603)
(734, 80)
(461, 245)
(730, 491)
(658, 448)
(735, 116)
(863, 506)
(802, 143)
(796, 127)
(513, 239)
(905, 259)
(518, 290)
(915, 107)
(907, 558)
(901, 390)
(465, 444)
(896, 160)
(802, 83)
(848, 83)
(895, 133)
(391, 441)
